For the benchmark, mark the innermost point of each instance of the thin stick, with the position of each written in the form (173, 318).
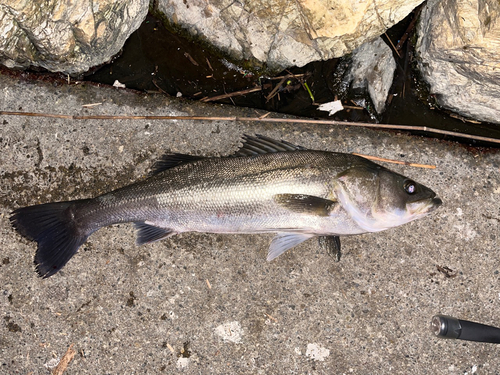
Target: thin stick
(276, 88)
(209, 65)
(376, 158)
(291, 75)
(190, 58)
(231, 94)
(271, 317)
(159, 88)
(392, 44)
(352, 107)
(409, 29)
(463, 119)
(64, 362)
(255, 119)
(275, 91)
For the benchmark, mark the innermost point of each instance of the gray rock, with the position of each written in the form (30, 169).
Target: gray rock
(68, 37)
(458, 49)
(286, 33)
(373, 68)
(211, 303)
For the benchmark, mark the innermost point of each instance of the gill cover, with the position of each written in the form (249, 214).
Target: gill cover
(378, 199)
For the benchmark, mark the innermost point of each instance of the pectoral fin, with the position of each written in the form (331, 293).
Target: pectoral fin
(307, 204)
(147, 233)
(332, 246)
(284, 241)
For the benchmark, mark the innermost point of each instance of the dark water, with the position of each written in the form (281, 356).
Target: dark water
(156, 60)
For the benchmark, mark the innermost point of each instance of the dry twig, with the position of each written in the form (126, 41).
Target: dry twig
(409, 29)
(392, 45)
(190, 58)
(64, 362)
(376, 158)
(91, 105)
(271, 317)
(276, 88)
(231, 94)
(255, 119)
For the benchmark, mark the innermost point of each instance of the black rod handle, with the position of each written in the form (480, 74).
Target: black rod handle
(448, 327)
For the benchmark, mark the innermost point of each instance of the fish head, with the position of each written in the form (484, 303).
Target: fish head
(378, 199)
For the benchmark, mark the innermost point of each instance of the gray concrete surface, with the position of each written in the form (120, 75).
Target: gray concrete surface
(211, 304)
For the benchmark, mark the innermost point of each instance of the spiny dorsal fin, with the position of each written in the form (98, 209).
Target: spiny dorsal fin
(168, 161)
(252, 146)
(306, 204)
(260, 144)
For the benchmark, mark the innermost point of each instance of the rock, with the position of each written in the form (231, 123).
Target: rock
(285, 33)
(458, 49)
(373, 69)
(67, 37)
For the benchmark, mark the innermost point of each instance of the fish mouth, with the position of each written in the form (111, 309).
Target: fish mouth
(424, 206)
(437, 202)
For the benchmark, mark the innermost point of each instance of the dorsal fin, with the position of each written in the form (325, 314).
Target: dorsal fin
(168, 161)
(260, 144)
(252, 145)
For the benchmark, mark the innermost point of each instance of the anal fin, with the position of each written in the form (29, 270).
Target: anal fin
(284, 241)
(147, 233)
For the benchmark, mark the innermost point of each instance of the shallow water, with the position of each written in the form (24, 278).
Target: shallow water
(156, 60)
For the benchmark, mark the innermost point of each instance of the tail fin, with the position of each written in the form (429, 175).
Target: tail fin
(53, 226)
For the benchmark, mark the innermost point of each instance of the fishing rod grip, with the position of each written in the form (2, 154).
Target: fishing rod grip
(449, 327)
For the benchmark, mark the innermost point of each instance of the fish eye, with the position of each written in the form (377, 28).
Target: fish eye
(410, 187)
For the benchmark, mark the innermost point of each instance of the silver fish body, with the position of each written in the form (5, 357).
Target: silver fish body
(267, 186)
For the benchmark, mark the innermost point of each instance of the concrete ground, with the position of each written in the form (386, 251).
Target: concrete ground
(212, 304)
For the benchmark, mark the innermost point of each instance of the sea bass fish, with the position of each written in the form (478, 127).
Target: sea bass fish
(266, 186)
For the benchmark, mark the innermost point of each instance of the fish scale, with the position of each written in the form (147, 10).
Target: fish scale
(266, 186)
(224, 203)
